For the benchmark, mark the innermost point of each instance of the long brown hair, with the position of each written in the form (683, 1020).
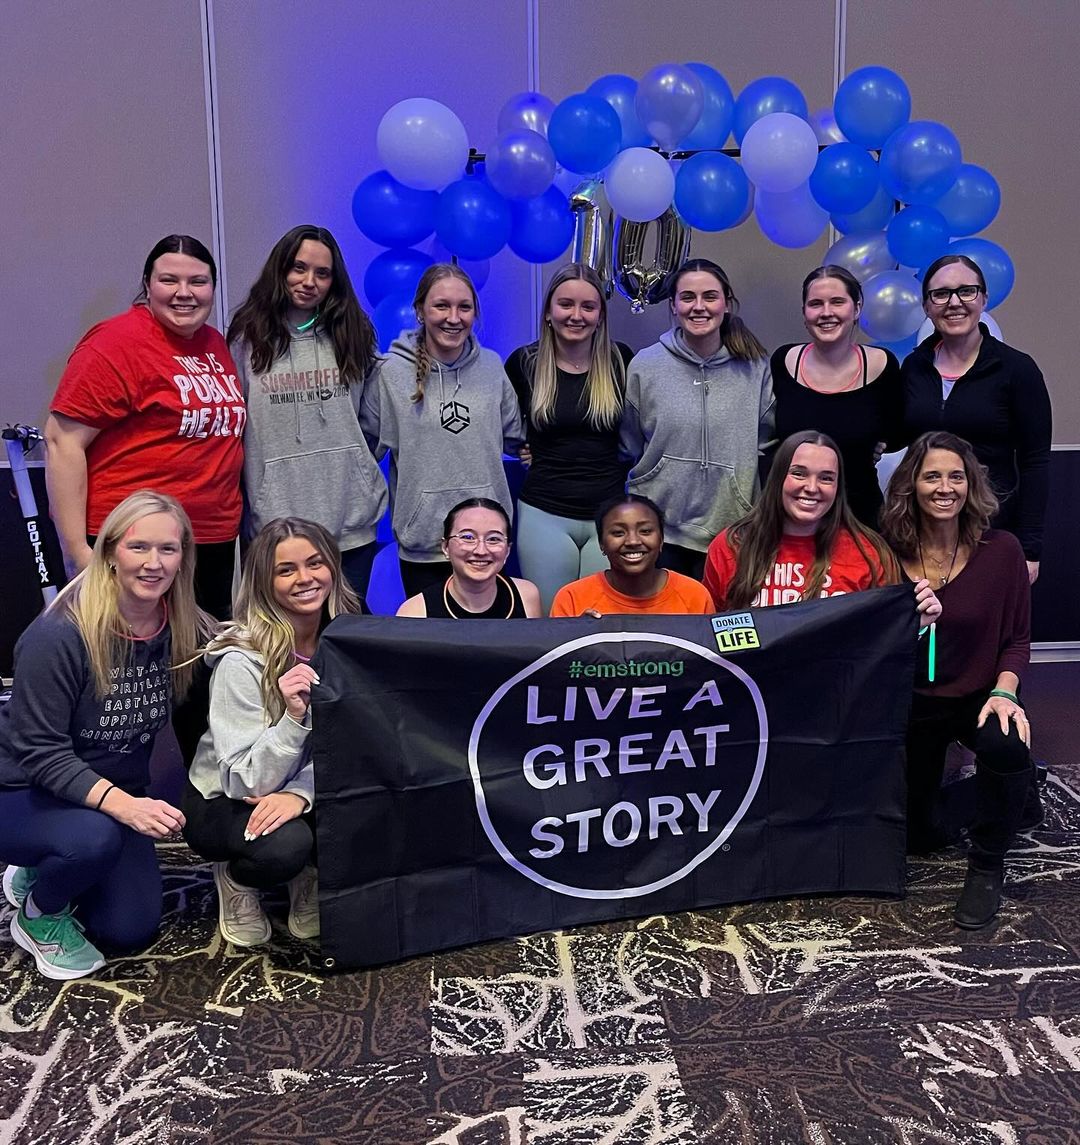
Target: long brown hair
(92, 599)
(756, 538)
(901, 516)
(260, 623)
(735, 335)
(432, 275)
(261, 320)
(606, 381)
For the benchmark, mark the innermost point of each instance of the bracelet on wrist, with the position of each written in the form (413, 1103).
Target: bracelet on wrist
(111, 787)
(1004, 694)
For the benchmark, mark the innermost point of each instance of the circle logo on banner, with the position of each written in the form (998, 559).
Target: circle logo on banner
(616, 764)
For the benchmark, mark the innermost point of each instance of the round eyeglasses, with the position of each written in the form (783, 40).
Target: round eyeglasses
(469, 540)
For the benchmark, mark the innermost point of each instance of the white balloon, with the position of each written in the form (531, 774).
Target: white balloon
(640, 184)
(927, 328)
(779, 152)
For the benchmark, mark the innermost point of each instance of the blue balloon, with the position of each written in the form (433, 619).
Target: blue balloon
(871, 104)
(472, 219)
(393, 315)
(873, 217)
(844, 178)
(542, 226)
(390, 213)
(902, 348)
(711, 191)
(764, 96)
(995, 264)
(585, 133)
(619, 91)
(714, 126)
(394, 272)
(917, 235)
(971, 204)
(920, 162)
(790, 218)
(477, 269)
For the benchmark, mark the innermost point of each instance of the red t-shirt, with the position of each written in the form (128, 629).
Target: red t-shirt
(847, 571)
(680, 596)
(171, 415)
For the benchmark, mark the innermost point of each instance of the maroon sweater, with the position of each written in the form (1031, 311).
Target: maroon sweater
(985, 625)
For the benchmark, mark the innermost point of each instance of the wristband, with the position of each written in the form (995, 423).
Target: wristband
(97, 806)
(1004, 694)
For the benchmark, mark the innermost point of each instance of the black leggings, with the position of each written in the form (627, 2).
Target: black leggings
(678, 558)
(1003, 771)
(215, 830)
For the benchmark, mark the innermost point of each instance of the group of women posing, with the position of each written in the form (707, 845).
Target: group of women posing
(156, 393)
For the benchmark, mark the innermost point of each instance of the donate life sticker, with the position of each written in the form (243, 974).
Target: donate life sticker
(616, 764)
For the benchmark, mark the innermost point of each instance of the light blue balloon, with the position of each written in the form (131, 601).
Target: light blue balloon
(917, 235)
(994, 262)
(542, 226)
(526, 111)
(779, 152)
(714, 126)
(873, 217)
(711, 191)
(871, 104)
(920, 162)
(892, 306)
(845, 178)
(472, 219)
(422, 143)
(669, 102)
(762, 97)
(790, 218)
(520, 164)
(639, 184)
(394, 272)
(394, 314)
(971, 204)
(585, 133)
(619, 91)
(391, 214)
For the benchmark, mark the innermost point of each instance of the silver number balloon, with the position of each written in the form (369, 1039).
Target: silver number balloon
(592, 229)
(643, 281)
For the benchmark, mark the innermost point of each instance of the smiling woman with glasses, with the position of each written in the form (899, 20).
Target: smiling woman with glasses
(965, 381)
(476, 542)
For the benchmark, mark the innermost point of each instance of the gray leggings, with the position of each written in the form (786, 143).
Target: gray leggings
(554, 551)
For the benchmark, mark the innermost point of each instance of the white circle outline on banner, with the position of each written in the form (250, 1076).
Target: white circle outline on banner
(573, 646)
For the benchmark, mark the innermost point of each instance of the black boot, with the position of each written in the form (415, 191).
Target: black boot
(1032, 815)
(980, 899)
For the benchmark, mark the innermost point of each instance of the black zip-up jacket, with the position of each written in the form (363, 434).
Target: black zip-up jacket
(1002, 408)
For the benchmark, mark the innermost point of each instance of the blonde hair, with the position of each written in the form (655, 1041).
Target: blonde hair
(261, 625)
(428, 279)
(606, 379)
(92, 599)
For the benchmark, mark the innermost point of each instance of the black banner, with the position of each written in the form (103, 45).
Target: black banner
(483, 779)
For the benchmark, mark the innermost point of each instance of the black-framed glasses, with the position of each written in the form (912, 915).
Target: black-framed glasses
(940, 295)
(469, 540)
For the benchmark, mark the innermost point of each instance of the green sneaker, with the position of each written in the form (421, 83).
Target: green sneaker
(17, 884)
(56, 941)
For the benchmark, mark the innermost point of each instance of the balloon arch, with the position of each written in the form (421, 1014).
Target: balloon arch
(624, 170)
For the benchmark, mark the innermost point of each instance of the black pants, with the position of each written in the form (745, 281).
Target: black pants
(215, 830)
(416, 575)
(1003, 773)
(680, 559)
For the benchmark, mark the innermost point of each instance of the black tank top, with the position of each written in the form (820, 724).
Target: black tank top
(441, 605)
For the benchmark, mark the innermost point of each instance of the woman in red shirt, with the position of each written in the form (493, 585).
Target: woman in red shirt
(151, 396)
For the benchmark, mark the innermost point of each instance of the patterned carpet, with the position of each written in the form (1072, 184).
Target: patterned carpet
(824, 1021)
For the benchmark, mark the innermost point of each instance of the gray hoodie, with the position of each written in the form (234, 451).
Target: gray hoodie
(304, 452)
(445, 448)
(242, 753)
(694, 428)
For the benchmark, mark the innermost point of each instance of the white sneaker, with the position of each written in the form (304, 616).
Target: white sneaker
(304, 903)
(240, 914)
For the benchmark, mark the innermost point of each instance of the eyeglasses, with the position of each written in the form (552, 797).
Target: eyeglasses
(469, 540)
(940, 295)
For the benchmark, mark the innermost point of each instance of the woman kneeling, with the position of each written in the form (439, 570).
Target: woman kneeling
(251, 788)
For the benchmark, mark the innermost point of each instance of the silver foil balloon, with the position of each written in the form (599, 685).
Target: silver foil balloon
(593, 229)
(864, 253)
(641, 277)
